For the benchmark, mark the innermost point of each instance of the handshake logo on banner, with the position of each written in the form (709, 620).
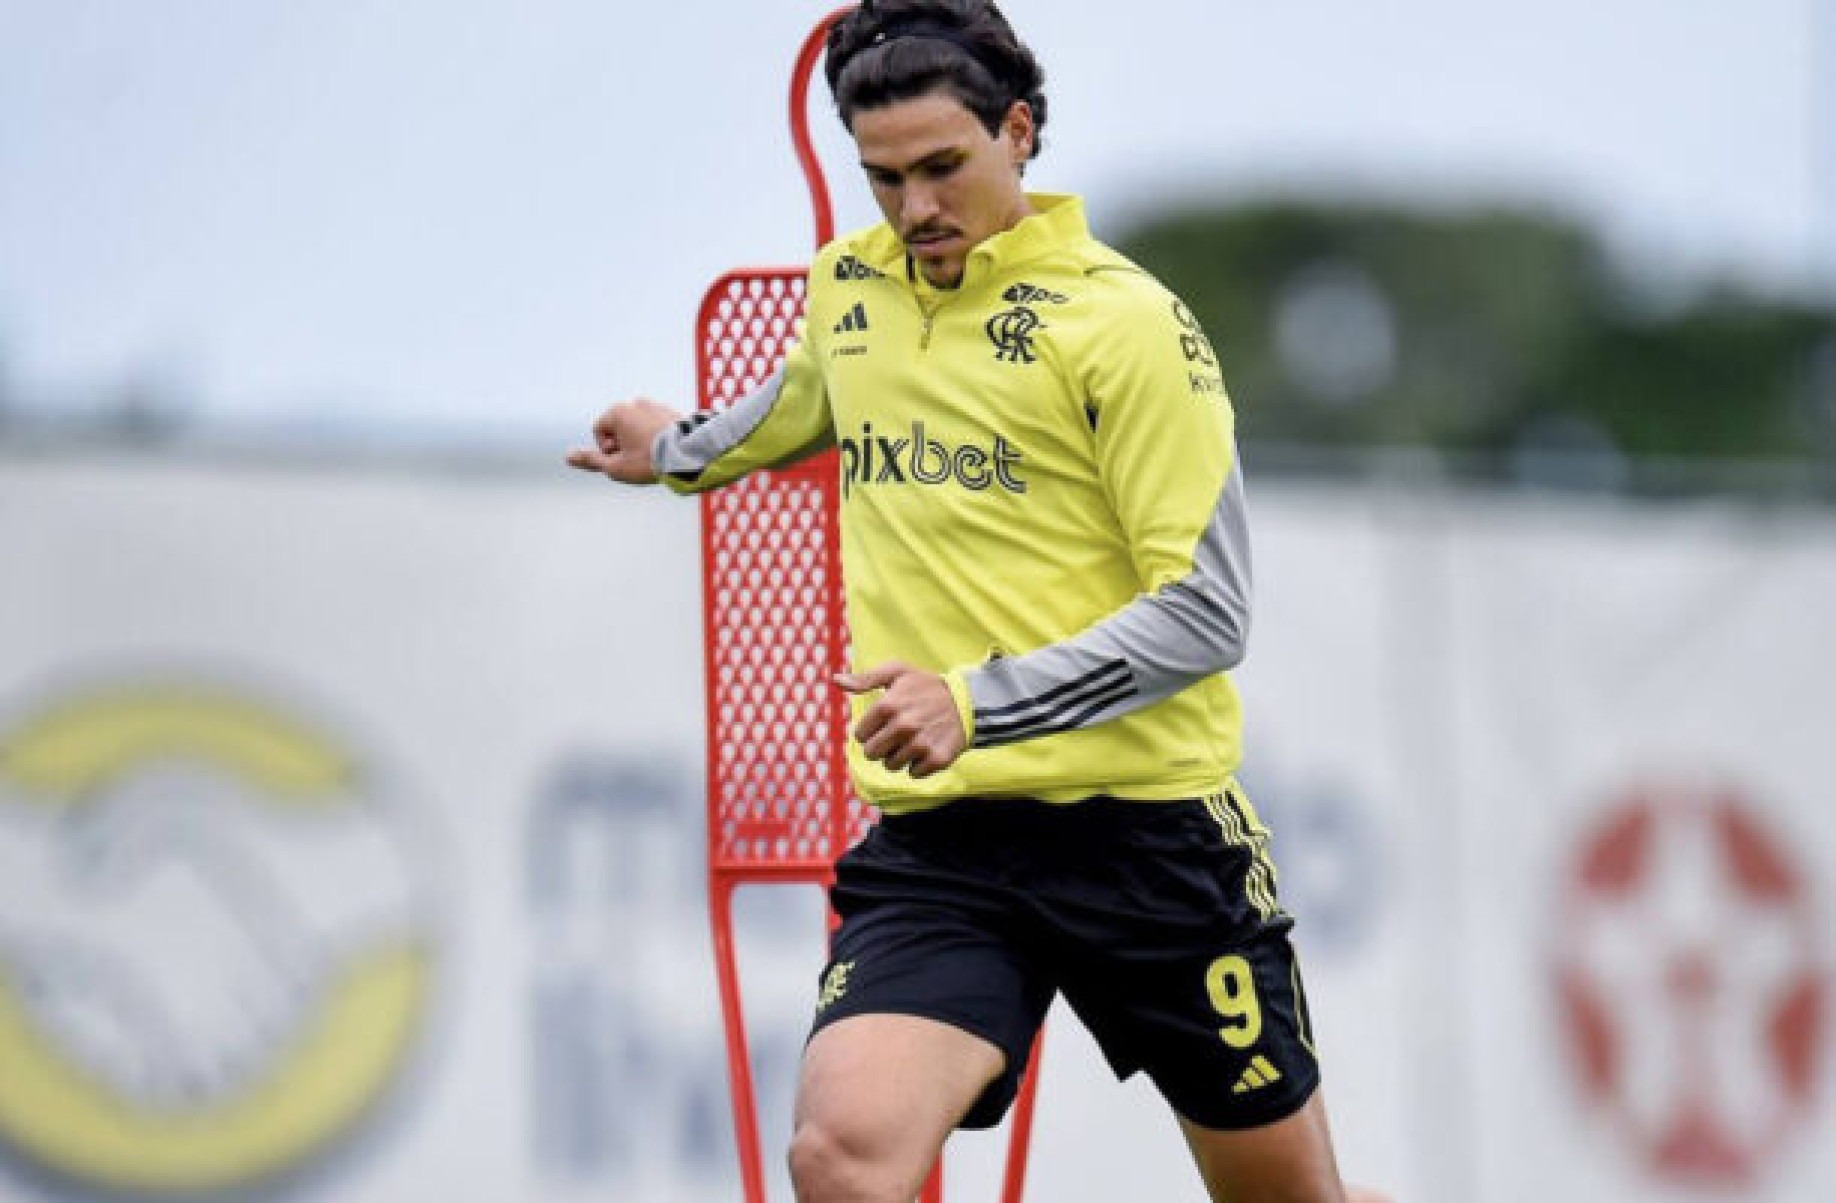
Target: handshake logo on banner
(216, 943)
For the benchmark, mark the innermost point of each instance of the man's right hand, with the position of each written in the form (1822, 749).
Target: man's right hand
(621, 442)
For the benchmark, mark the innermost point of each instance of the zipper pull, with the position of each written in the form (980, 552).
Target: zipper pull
(924, 339)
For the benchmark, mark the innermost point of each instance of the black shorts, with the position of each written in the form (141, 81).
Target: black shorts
(1157, 920)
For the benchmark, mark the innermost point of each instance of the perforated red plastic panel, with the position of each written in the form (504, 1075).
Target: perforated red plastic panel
(779, 801)
(780, 807)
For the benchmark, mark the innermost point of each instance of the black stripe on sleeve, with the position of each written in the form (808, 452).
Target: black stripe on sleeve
(1104, 671)
(1060, 708)
(1068, 720)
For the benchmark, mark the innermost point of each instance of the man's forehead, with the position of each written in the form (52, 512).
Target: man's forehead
(905, 133)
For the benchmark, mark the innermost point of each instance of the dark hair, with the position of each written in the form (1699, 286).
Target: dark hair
(892, 50)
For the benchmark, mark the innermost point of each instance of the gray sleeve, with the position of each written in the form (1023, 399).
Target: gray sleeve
(1152, 648)
(769, 427)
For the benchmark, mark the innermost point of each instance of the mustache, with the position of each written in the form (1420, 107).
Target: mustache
(924, 232)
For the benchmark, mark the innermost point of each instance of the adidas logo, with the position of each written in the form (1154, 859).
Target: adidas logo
(1257, 1074)
(854, 322)
(850, 268)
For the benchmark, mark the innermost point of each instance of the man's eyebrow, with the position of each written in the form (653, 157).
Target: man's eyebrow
(931, 159)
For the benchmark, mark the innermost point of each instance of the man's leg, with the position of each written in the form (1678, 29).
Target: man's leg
(1289, 1161)
(877, 1097)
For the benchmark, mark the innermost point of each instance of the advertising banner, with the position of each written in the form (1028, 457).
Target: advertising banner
(351, 848)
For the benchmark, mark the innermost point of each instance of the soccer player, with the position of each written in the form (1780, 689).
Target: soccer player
(1046, 568)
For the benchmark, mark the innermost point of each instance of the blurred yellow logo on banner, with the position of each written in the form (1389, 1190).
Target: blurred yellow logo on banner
(216, 939)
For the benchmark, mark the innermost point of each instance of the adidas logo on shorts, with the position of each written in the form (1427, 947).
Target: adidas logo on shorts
(1257, 1074)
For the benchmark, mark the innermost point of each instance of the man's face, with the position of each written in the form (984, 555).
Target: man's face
(943, 182)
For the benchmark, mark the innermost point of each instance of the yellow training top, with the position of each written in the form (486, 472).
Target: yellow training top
(1040, 500)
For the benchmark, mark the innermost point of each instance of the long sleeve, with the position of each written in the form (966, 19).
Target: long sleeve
(1166, 454)
(784, 420)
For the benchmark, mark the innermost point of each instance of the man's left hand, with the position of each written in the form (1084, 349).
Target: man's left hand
(914, 725)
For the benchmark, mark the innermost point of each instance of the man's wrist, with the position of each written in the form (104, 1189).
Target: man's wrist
(656, 451)
(957, 682)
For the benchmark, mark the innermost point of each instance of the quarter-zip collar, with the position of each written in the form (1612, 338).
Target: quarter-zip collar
(1057, 220)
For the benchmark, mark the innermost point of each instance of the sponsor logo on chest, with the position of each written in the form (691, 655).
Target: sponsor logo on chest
(871, 458)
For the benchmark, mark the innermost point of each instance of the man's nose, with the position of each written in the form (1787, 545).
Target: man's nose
(920, 207)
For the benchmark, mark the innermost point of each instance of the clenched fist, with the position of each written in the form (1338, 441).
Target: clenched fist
(621, 442)
(913, 725)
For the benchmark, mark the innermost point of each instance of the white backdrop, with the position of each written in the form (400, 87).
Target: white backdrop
(1547, 782)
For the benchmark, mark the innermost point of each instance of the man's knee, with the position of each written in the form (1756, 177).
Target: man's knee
(856, 1141)
(829, 1164)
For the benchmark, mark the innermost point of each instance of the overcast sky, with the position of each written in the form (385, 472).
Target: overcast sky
(462, 215)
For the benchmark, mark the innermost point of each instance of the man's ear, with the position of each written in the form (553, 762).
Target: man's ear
(1018, 126)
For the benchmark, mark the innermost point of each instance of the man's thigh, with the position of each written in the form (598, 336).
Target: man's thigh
(915, 942)
(940, 1071)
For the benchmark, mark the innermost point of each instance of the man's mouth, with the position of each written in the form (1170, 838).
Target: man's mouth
(919, 242)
